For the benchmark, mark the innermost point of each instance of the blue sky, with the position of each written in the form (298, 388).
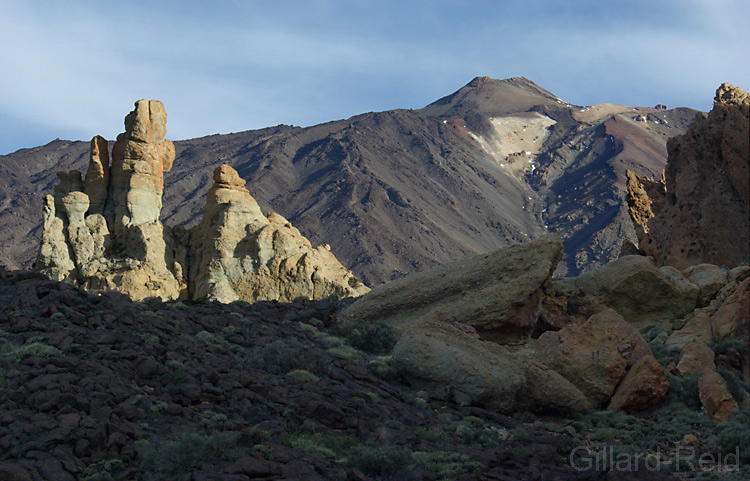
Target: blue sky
(73, 69)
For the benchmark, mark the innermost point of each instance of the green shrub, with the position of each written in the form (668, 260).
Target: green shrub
(150, 338)
(279, 358)
(664, 354)
(721, 347)
(310, 445)
(346, 352)
(372, 338)
(302, 375)
(603, 435)
(445, 464)
(217, 341)
(158, 407)
(155, 315)
(395, 424)
(58, 316)
(102, 470)
(229, 330)
(521, 453)
(685, 389)
(176, 373)
(383, 367)
(263, 450)
(653, 332)
(384, 460)
(215, 418)
(734, 385)
(445, 417)
(486, 437)
(473, 421)
(735, 434)
(35, 349)
(180, 456)
(433, 433)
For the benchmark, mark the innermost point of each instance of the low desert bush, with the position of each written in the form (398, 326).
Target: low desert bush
(302, 375)
(734, 435)
(176, 373)
(180, 456)
(383, 460)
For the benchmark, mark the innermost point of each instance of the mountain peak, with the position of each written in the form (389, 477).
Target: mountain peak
(493, 97)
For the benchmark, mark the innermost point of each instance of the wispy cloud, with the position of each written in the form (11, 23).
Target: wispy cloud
(75, 68)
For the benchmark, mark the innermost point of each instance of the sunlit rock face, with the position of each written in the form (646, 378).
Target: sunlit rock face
(705, 199)
(104, 233)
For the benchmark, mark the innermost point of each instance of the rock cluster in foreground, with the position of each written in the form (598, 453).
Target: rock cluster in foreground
(104, 233)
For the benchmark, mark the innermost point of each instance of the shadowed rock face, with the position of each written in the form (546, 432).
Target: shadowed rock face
(706, 205)
(104, 233)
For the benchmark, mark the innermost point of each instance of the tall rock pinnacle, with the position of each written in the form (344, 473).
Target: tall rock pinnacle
(104, 233)
(704, 199)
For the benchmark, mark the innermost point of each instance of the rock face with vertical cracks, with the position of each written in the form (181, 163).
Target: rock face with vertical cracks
(104, 233)
(706, 204)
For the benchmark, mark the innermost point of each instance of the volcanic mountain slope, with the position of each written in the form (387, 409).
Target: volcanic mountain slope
(498, 162)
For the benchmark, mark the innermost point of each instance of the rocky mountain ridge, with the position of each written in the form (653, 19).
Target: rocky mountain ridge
(483, 368)
(400, 191)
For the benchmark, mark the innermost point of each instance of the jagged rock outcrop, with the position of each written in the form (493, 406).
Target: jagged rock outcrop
(239, 253)
(706, 207)
(104, 232)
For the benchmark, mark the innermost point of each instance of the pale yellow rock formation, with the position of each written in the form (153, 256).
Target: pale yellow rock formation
(104, 233)
(239, 253)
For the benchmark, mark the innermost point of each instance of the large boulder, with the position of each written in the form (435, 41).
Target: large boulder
(706, 208)
(545, 388)
(449, 363)
(644, 385)
(588, 356)
(695, 358)
(697, 327)
(492, 292)
(715, 396)
(732, 318)
(452, 365)
(709, 278)
(634, 287)
(611, 319)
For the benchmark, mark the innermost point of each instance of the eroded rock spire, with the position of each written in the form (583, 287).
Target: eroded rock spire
(104, 232)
